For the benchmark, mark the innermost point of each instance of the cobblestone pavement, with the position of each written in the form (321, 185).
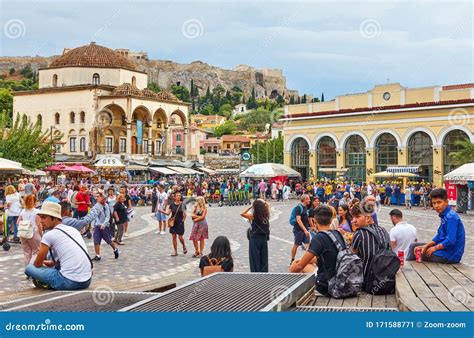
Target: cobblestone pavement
(146, 256)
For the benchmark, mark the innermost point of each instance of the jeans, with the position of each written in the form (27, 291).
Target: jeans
(54, 279)
(433, 258)
(12, 220)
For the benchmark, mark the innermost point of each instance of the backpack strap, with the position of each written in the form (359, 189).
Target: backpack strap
(333, 239)
(88, 257)
(380, 242)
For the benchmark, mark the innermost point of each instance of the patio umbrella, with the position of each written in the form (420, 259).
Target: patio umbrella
(462, 174)
(79, 168)
(7, 165)
(384, 174)
(57, 167)
(268, 170)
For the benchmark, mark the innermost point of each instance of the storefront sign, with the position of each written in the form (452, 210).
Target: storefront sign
(109, 162)
(451, 189)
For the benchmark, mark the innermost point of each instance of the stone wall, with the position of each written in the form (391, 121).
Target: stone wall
(215, 161)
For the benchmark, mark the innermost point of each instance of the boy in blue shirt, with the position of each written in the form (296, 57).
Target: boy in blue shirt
(448, 244)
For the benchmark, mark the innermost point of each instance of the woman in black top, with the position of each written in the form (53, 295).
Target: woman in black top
(120, 216)
(259, 235)
(177, 210)
(220, 250)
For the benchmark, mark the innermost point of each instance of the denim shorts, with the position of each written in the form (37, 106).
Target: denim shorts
(300, 237)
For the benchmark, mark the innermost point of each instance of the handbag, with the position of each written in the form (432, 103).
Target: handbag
(171, 222)
(25, 229)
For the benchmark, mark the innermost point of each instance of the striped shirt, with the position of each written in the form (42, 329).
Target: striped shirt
(366, 245)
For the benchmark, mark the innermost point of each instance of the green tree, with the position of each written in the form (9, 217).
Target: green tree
(274, 149)
(315, 99)
(207, 109)
(465, 154)
(303, 100)
(181, 92)
(256, 120)
(292, 100)
(27, 72)
(227, 128)
(280, 100)
(225, 110)
(154, 87)
(6, 101)
(322, 97)
(25, 142)
(237, 95)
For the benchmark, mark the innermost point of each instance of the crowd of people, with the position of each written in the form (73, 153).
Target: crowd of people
(53, 222)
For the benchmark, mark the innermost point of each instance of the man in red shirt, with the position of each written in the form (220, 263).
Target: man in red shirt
(83, 202)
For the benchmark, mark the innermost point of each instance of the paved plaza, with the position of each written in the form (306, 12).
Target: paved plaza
(145, 258)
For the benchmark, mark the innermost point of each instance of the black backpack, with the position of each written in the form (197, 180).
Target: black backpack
(383, 268)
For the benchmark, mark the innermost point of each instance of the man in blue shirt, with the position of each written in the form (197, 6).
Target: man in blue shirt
(54, 197)
(448, 244)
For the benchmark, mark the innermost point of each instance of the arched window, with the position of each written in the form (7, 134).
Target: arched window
(57, 118)
(55, 80)
(39, 119)
(82, 144)
(83, 117)
(95, 79)
(386, 153)
(72, 117)
(134, 81)
(326, 154)
(451, 145)
(354, 150)
(420, 153)
(300, 157)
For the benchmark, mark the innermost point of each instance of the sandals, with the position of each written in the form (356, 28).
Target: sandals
(174, 255)
(185, 251)
(195, 255)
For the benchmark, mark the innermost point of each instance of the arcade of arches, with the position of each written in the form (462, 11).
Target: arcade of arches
(143, 132)
(355, 158)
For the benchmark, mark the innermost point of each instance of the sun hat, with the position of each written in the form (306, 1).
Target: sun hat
(51, 209)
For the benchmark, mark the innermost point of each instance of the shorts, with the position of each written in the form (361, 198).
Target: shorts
(300, 237)
(100, 234)
(160, 216)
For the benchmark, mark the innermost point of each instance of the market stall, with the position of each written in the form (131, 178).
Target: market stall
(461, 180)
(110, 169)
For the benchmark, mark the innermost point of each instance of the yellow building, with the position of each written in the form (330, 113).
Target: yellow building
(388, 126)
(207, 122)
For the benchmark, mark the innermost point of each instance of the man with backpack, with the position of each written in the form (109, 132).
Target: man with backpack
(339, 271)
(372, 244)
(300, 221)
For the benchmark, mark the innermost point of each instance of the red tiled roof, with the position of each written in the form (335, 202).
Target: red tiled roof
(357, 110)
(458, 86)
(234, 138)
(92, 55)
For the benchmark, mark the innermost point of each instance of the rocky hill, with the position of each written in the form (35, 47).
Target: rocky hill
(267, 82)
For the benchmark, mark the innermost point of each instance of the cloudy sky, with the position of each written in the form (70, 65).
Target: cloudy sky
(335, 47)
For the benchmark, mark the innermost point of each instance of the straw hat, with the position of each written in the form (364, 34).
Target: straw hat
(51, 209)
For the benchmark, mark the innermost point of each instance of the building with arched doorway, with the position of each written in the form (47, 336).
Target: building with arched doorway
(357, 135)
(99, 101)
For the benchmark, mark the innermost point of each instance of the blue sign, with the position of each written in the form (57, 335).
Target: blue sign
(246, 156)
(139, 132)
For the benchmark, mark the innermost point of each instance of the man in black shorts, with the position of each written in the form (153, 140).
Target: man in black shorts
(301, 228)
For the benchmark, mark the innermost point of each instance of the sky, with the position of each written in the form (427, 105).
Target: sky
(335, 47)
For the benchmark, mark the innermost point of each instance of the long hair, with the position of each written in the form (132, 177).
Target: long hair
(220, 248)
(345, 207)
(10, 190)
(261, 212)
(201, 202)
(30, 202)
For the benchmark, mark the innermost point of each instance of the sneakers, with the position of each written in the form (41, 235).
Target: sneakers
(96, 258)
(116, 253)
(162, 233)
(158, 232)
(40, 285)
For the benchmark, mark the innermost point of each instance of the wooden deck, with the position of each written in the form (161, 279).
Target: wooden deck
(435, 287)
(362, 301)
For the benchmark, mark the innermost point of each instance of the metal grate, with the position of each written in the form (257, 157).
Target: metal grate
(225, 292)
(341, 309)
(81, 301)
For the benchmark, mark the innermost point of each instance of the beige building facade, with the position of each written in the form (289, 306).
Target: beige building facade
(358, 135)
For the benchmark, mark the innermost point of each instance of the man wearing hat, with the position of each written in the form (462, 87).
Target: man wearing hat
(70, 267)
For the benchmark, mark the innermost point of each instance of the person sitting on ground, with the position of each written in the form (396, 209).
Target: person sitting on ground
(220, 255)
(364, 243)
(448, 244)
(70, 267)
(323, 249)
(402, 235)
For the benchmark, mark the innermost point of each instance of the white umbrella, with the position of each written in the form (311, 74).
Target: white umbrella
(463, 173)
(7, 165)
(267, 170)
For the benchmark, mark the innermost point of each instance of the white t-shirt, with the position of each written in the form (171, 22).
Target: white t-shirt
(161, 199)
(30, 215)
(403, 234)
(15, 204)
(74, 263)
(408, 193)
(369, 190)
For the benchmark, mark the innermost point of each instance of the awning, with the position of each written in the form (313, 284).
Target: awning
(185, 171)
(404, 169)
(208, 171)
(227, 171)
(163, 170)
(136, 167)
(333, 170)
